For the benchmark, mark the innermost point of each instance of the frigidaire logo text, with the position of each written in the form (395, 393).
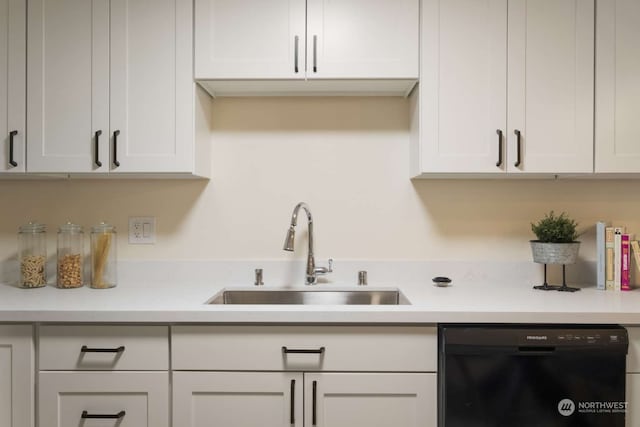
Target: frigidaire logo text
(537, 337)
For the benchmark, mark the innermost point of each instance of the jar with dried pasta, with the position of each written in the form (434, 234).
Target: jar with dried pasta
(32, 255)
(103, 256)
(70, 256)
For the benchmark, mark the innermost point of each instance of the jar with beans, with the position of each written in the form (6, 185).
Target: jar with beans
(70, 256)
(32, 255)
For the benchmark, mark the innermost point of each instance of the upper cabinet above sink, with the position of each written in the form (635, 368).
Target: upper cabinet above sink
(313, 47)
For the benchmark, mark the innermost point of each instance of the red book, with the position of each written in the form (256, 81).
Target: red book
(625, 283)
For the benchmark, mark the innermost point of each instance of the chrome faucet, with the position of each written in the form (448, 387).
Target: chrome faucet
(311, 275)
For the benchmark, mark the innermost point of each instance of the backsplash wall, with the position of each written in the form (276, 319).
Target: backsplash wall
(349, 159)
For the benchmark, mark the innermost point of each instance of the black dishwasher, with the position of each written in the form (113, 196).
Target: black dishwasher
(531, 375)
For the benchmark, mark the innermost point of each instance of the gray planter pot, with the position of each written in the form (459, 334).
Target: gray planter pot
(554, 253)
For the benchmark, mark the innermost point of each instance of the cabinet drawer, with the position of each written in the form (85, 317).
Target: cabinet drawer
(633, 357)
(137, 399)
(305, 348)
(67, 348)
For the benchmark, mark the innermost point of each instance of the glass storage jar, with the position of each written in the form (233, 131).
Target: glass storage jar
(32, 255)
(70, 255)
(103, 256)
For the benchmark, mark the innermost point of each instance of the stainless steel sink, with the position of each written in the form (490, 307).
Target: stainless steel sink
(311, 297)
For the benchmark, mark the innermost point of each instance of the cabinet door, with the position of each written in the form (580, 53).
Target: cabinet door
(250, 39)
(463, 88)
(132, 399)
(13, 61)
(16, 376)
(373, 400)
(550, 85)
(68, 80)
(151, 86)
(618, 86)
(361, 39)
(633, 400)
(237, 399)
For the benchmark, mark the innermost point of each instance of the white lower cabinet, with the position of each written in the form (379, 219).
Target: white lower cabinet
(240, 399)
(16, 376)
(370, 399)
(330, 376)
(633, 400)
(122, 399)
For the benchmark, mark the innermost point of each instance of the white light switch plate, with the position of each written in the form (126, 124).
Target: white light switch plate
(142, 230)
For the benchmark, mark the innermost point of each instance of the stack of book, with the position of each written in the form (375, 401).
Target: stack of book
(615, 249)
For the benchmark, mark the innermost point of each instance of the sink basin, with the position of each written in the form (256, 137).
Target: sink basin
(311, 297)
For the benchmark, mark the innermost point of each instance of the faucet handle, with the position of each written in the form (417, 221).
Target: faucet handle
(325, 270)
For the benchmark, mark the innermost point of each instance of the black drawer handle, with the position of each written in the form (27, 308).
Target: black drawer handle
(286, 350)
(117, 416)
(86, 349)
(116, 163)
(12, 134)
(97, 149)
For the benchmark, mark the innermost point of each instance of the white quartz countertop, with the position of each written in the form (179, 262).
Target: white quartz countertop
(185, 303)
(176, 292)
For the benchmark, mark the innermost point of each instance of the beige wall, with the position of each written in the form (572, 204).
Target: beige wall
(348, 158)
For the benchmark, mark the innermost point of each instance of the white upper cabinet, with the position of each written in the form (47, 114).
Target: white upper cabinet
(550, 86)
(506, 86)
(463, 87)
(151, 109)
(362, 39)
(617, 86)
(111, 88)
(68, 80)
(13, 37)
(250, 39)
(274, 47)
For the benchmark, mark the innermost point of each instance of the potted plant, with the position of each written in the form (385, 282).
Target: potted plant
(556, 240)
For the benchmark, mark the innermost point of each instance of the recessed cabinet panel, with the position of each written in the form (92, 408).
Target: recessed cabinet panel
(151, 86)
(633, 400)
(550, 85)
(353, 399)
(618, 86)
(362, 38)
(139, 399)
(237, 399)
(16, 376)
(244, 39)
(463, 86)
(13, 36)
(68, 80)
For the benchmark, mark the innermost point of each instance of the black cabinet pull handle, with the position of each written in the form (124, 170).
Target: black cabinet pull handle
(117, 416)
(286, 350)
(292, 415)
(519, 146)
(295, 53)
(12, 134)
(315, 54)
(499, 162)
(85, 349)
(314, 408)
(116, 163)
(97, 149)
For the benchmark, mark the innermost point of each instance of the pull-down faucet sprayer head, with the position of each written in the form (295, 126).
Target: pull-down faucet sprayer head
(289, 239)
